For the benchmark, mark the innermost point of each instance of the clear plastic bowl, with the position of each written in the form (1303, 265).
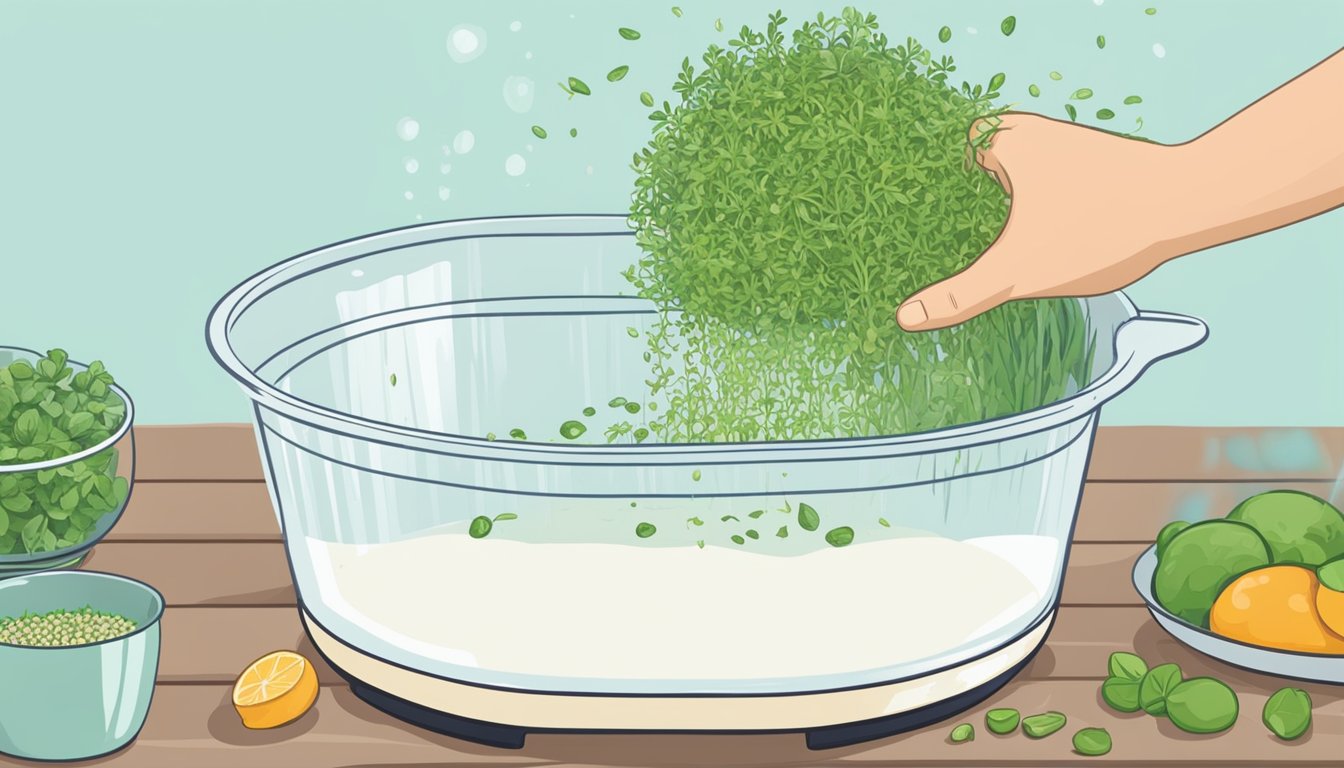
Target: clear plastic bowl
(960, 536)
(121, 464)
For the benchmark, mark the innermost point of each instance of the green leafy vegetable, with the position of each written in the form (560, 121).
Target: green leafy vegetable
(1202, 705)
(48, 412)
(1126, 666)
(1121, 694)
(1073, 113)
(572, 430)
(1156, 686)
(517, 434)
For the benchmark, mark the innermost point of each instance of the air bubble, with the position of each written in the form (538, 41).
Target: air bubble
(411, 164)
(408, 128)
(408, 194)
(515, 165)
(463, 142)
(465, 42)
(444, 193)
(445, 168)
(519, 91)
(515, 26)
(1159, 50)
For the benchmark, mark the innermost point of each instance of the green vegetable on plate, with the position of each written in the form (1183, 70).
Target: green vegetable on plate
(1202, 705)
(1002, 720)
(1287, 713)
(1200, 561)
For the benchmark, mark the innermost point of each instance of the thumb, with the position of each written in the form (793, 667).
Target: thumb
(955, 300)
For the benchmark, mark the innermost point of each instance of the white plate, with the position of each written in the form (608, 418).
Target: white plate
(1315, 667)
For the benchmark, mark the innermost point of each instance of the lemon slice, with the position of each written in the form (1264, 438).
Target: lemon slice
(275, 689)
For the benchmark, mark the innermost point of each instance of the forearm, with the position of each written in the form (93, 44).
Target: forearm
(1276, 162)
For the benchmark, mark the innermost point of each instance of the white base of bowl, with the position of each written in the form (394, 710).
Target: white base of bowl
(502, 717)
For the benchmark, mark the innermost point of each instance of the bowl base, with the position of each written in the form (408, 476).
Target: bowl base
(38, 566)
(504, 717)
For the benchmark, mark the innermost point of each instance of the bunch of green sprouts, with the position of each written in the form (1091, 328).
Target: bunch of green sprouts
(797, 193)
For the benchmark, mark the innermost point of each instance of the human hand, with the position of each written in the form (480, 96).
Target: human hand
(1089, 213)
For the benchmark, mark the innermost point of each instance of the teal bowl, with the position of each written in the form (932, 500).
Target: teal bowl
(81, 701)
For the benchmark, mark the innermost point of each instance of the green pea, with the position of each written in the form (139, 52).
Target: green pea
(1042, 725)
(840, 537)
(1120, 694)
(645, 530)
(1092, 742)
(1202, 705)
(964, 732)
(1288, 713)
(808, 519)
(1156, 686)
(1002, 720)
(480, 527)
(571, 430)
(1127, 666)
(695, 475)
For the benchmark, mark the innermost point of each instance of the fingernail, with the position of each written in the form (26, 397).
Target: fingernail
(912, 314)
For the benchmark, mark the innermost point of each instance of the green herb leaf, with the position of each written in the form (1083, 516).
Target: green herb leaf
(1126, 666)
(718, 25)
(572, 430)
(573, 133)
(618, 73)
(1150, 11)
(578, 86)
(944, 34)
(996, 82)
(1056, 76)
(840, 537)
(517, 434)
(1082, 93)
(808, 519)
(1105, 114)
(645, 530)
(1156, 685)
(628, 33)
(676, 11)
(783, 532)
(1073, 113)
(1101, 41)
(1008, 25)
(646, 99)
(1042, 725)
(1133, 100)
(737, 539)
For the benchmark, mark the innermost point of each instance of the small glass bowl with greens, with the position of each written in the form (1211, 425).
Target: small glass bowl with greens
(67, 458)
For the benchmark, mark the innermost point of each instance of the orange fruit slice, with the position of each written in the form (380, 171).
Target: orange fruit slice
(1275, 607)
(275, 689)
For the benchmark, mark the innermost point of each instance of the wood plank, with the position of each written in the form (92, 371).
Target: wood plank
(257, 574)
(202, 573)
(200, 511)
(228, 452)
(195, 725)
(1134, 512)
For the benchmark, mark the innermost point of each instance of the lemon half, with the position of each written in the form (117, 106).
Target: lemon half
(275, 689)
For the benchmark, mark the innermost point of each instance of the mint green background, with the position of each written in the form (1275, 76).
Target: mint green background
(155, 152)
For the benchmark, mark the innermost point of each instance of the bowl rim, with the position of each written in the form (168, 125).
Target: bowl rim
(71, 458)
(1107, 384)
(1147, 561)
(17, 582)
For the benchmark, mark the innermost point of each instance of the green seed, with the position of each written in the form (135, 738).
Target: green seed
(578, 86)
(1056, 76)
(589, 411)
(783, 532)
(538, 131)
(1042, 725)
(490, 436)
(393, 379)
(645, 530)
(695, 475)
(646, 99)
(571, 430)
(1136, 100)
(632, 407)
(632, 332)
(1073, 113)
(480, 527)
(1202, 705)
(840, 537)
(628, 33)
(676, 11)
(503, 516)
(808, 519)
(1105, 114)
(618, 73)
(1287, 713)
(573, 133)
(1127, 666)
(996, 82)
(718, 25)
(1003, 720)
(1092, 742)
(617, 402)
(1034, 90)
(1008, 25)
(1156, 686)
(1121, 694)
(517, 434)
(1150, 11)
(751, 534)
(755, 514)
(1082, 93)
(882, 521)
(738, 539)
(964, 732)
(944, 34)
(1101, 41)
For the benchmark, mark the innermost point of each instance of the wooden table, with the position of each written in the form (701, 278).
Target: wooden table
(200, 527)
